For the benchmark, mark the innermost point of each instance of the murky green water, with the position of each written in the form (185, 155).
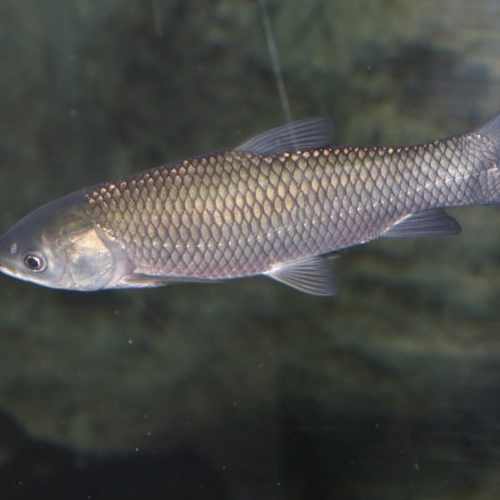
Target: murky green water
(248, 390)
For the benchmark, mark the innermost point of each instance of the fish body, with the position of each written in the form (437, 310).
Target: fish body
(276, 205)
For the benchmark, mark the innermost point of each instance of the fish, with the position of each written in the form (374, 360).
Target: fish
(281, 205)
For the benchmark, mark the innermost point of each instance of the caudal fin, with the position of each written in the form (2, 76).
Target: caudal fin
(491, 184)
(491, 129)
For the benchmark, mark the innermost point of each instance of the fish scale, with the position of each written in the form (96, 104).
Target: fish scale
(235, 214)
(277, 205)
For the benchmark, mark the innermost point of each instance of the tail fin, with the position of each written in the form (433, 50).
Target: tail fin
(491, 131)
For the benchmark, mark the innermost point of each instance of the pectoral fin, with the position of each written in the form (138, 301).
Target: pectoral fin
(141, 280)
(144, 280)
(312, 275)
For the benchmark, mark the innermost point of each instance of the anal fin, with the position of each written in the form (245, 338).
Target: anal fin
(432, 222)
(312, 275)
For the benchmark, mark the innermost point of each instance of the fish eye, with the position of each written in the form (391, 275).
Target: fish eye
(34, 262)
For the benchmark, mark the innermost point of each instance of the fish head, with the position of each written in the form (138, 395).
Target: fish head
(59, 246)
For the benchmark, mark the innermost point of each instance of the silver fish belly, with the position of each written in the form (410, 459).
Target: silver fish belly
(277, 205)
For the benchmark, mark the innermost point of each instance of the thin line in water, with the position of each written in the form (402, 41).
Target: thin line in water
(273, 52)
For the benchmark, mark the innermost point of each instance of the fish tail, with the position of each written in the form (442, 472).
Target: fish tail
(488, 140)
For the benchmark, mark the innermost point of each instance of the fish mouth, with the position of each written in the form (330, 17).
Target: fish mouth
(9, 272)
(15, 274)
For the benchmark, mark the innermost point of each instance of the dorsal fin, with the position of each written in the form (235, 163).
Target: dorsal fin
(304, 134)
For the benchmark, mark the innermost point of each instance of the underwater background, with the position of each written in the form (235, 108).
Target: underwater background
(248, 389)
